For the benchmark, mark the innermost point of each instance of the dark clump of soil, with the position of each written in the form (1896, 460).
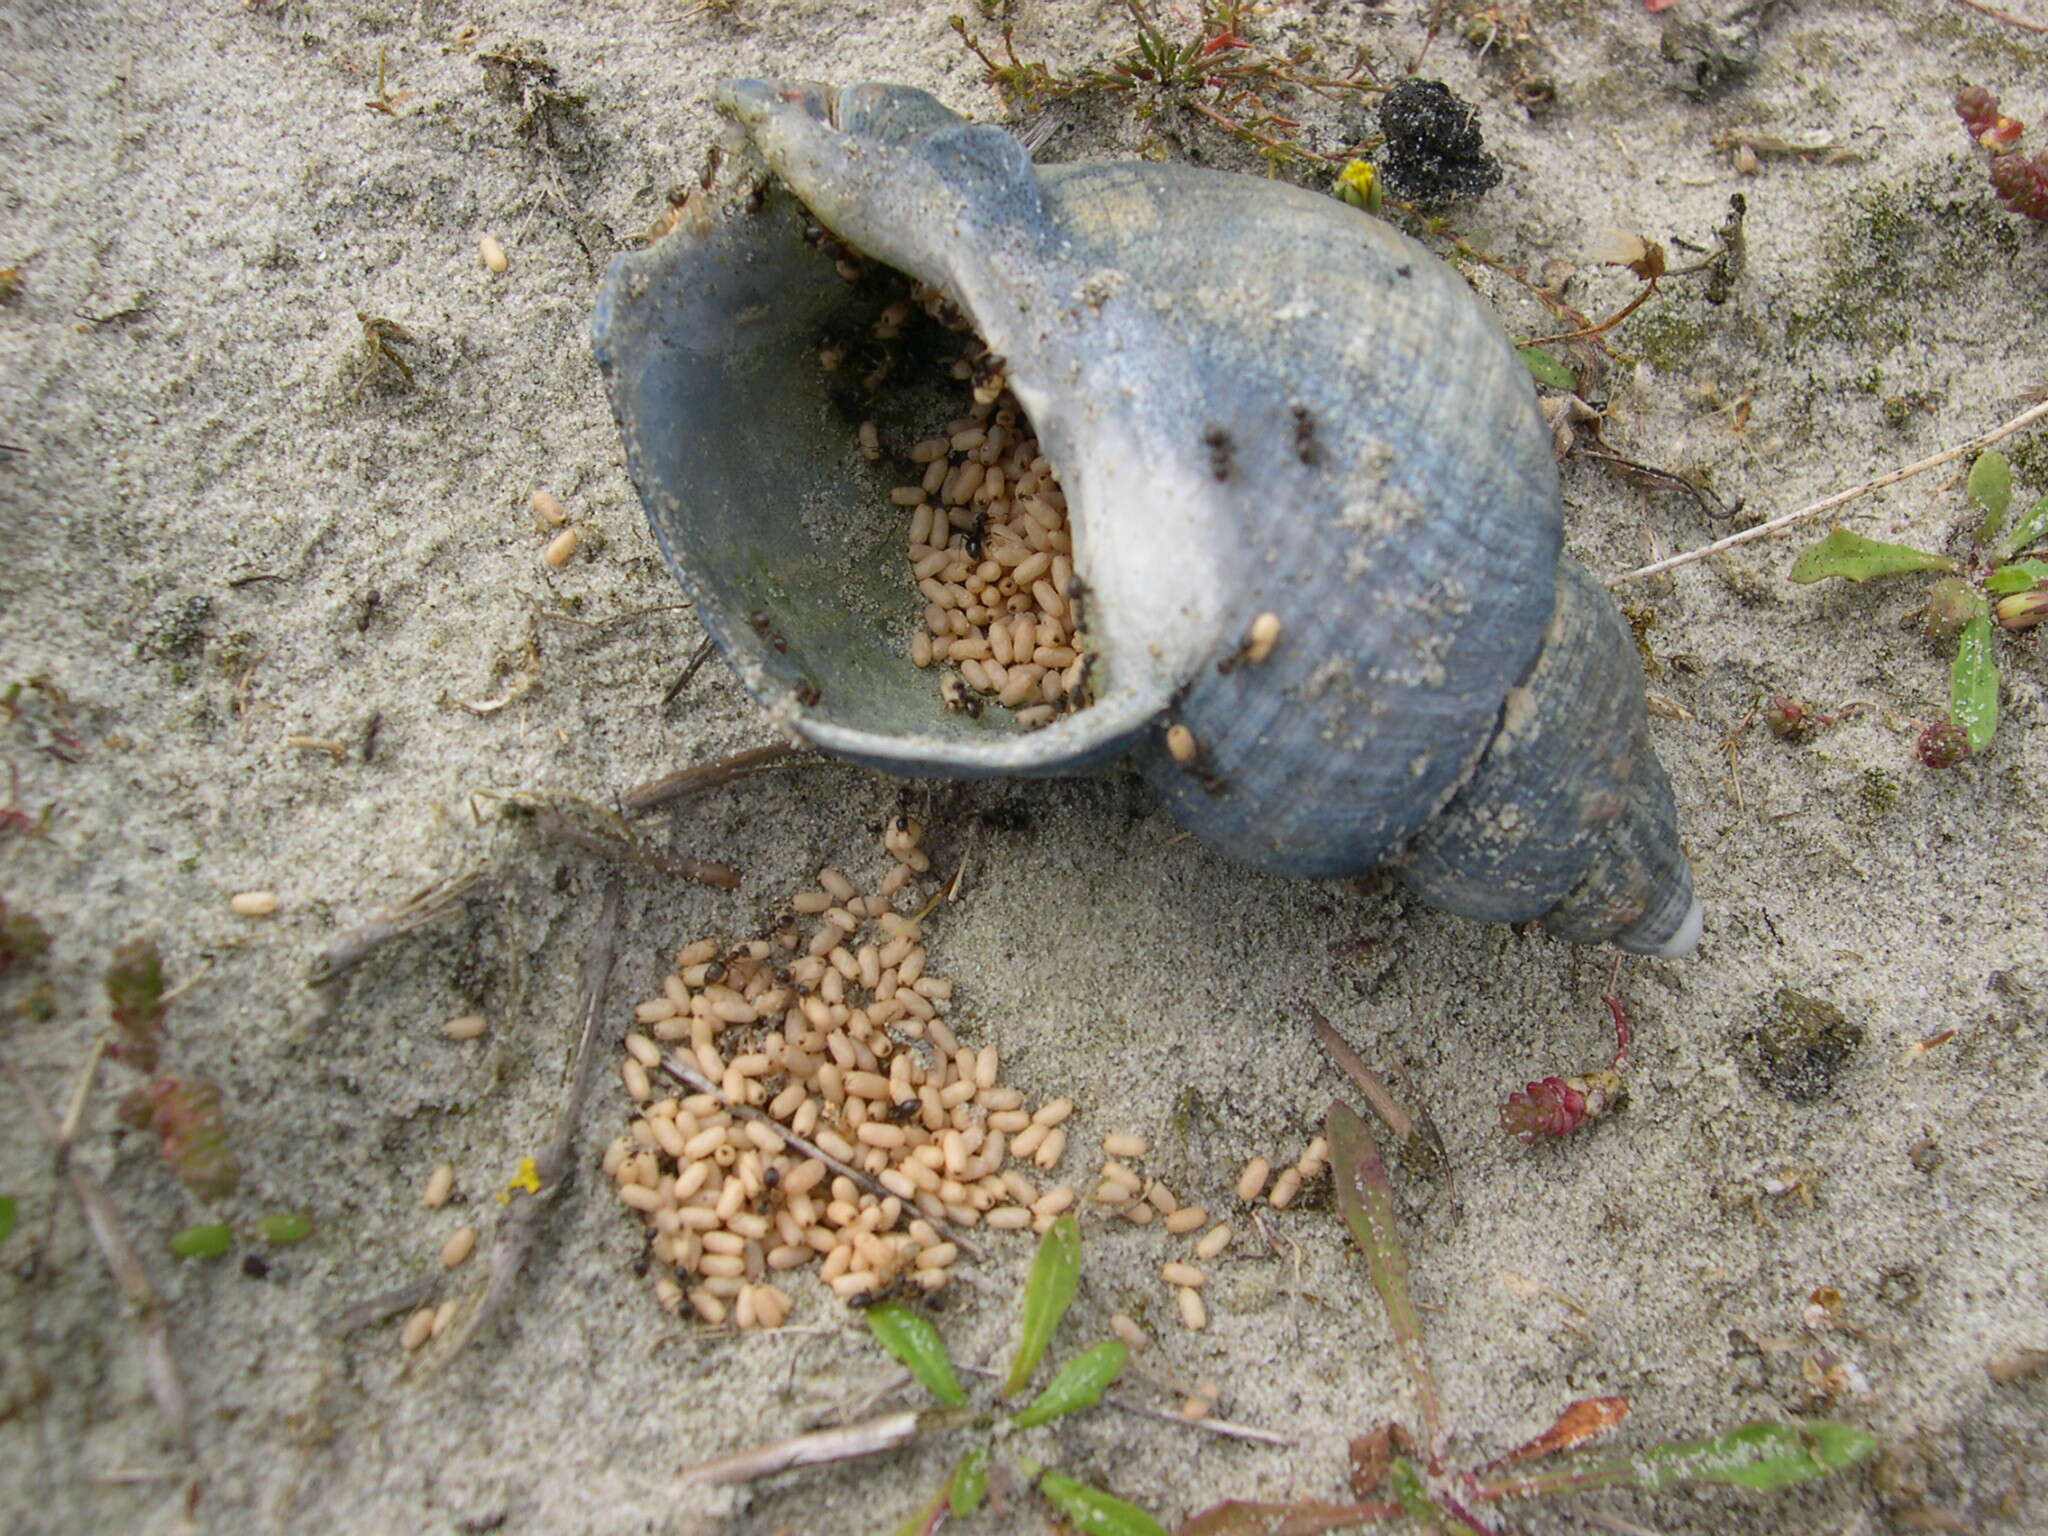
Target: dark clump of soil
(1802, 1044)
(1434, 152)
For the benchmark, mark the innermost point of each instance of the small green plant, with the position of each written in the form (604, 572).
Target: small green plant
(1761, 1457)
(1080, 1383)
(2000, 582)
(1212, 71)
(184, 1113)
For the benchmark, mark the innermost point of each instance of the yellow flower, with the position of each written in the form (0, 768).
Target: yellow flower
(527, 1178)
(1359, 185)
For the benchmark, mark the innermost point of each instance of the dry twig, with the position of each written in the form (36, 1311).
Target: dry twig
(672, 787)
(2026, 418)
(552, 823)
(519, 1228)
(2007, 17)
(416, 911)
(870, 1437)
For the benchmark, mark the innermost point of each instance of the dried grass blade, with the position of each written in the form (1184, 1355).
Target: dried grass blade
(847, 1442)
(1581, 1421)
(1365, 1199)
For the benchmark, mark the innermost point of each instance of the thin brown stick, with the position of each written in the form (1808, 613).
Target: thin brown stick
(670, 788)
(870, 1437)
(352, 948)
(1377, 1095)
(2026, 418)
(1122, 1404)
(552, 823)
(374, 1309)
(1598, 327)
(166, 1386)
(681, 1070)
(2005, 16)
(519, 1229)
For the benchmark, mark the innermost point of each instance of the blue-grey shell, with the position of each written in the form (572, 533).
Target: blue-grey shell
(1259, 401)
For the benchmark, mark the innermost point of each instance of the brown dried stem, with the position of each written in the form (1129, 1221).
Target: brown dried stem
(2026, 418)
(2007, 17)
(519, 1229)
(1377, 1097)
(552, 823)
(667, 790)
(681, 1070)
(166, 1385)
(416, 911)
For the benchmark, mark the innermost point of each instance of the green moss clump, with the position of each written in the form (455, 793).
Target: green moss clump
(1668, 340)
(1900, 246)
(1879, 792)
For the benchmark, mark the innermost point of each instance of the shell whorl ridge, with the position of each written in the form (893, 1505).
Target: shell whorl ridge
(1259, 402)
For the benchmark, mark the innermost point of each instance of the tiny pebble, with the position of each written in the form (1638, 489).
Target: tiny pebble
(492, 252)
(562, 547)
(468, 1026)
(458, 1247)
(440, 1185)
(254, 903)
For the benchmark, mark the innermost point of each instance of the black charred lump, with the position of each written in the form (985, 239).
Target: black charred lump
(1433, 152)
(1802, 1044)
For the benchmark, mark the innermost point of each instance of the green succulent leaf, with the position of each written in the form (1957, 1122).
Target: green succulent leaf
(1047, 1295)
(1973, 684)
(1759, 1456)
(8, 1214)
(1852, 557)
(208, 1241)
(2029, 530)
(2019, 576)
(1092, 1511)
(286, 1227)
(1549, 371)
(912, 1339)
(1990, 486)
(969, 1483)
(1079, 1384)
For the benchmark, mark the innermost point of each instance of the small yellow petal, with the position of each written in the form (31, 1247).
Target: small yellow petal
(527, 1178)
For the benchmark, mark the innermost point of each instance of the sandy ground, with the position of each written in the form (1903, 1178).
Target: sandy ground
(219, 536)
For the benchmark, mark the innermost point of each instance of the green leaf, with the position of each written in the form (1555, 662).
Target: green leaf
(1855, 558)
(1079, 1384)
(1365, 1199)
(1973, 684)
(2030, 530)
(969, 1484)
(1418, 1504)
(1990, 486)
(8, 1214)
(2019, 576)
(1547, 369)
(912, 1339)
(1092, 1511)
(289, 1227)
(1047, 1295)
(920, 1524)
(1760, 1456)
(203, 1242)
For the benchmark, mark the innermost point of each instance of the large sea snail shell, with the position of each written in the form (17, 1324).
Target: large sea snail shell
(1259, 402)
